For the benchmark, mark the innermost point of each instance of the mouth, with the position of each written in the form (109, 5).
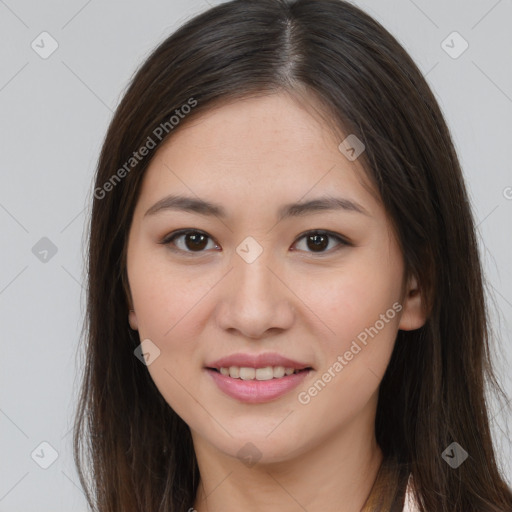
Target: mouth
(257, 379)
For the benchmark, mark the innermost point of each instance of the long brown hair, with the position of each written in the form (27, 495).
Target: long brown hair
(132, 450)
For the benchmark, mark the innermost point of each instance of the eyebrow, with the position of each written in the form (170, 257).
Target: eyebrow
(202, 207)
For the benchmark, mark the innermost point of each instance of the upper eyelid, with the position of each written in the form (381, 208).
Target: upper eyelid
(180, 232)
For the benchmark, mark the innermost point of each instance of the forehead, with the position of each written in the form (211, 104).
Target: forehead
(262, 147)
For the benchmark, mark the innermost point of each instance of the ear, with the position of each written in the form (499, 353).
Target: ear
(132, 320)
(414, 313)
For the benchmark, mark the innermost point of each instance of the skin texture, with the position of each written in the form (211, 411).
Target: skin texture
(252, 157)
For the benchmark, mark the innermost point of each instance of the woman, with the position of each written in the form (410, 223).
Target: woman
(286, 308)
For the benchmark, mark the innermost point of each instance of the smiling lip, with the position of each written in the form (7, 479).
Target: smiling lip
(257, 361)
(257, 391)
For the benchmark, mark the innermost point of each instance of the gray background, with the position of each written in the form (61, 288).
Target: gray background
(54, 114)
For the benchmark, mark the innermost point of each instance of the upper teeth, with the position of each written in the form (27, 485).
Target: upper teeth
(267, 373)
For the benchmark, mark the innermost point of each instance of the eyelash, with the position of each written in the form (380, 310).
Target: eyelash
(171, 237)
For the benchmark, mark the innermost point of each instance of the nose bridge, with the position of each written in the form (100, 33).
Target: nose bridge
(254, 300)
(253, 280)
(251, 263)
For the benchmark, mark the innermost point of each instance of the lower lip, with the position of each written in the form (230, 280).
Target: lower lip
(257, 391)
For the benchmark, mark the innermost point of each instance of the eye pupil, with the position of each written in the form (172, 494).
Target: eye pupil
(198, 241)
(320, 242)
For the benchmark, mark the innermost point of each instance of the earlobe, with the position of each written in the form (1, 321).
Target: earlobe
(414, 313)
(132, 320)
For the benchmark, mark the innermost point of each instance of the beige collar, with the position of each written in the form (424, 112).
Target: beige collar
(409, 503)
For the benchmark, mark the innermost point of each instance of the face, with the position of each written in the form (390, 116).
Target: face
(256, 250)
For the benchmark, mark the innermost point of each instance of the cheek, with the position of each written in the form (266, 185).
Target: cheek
(166, 301)
(359, 308)
(168, 307)
(171, 308)
(351, 298)
(354, 359)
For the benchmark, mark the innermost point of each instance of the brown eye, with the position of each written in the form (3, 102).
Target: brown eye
(188, 241)
(317, 242)
(320, 242)
(195, 241)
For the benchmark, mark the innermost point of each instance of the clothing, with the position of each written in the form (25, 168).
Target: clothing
(409, 503)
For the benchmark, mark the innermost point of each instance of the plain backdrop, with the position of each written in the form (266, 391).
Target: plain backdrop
(54, 115)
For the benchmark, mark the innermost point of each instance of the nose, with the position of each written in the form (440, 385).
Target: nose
(255, 301)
